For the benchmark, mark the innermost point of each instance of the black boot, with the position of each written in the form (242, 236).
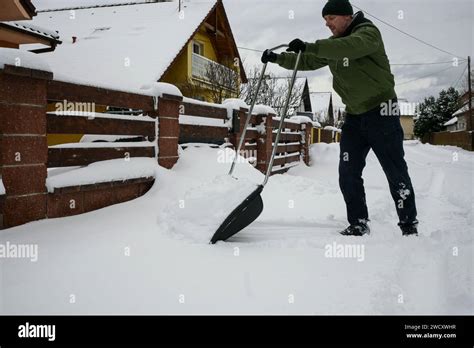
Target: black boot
(358, 229)
(409, 229)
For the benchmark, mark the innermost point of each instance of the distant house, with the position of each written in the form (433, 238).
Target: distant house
(13, 34)
(322, 108)
(459, 120)
(299, 102)
(129, 46)
(274, 92)
(407, 114)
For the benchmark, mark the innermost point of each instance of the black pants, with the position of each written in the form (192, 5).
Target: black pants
(384, 135)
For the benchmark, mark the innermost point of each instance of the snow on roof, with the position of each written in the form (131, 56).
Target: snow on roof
(451, 121)
(122, 47)
(25, 59)
(70, 5)
(462, 110)
(320, 103)
(26, 26)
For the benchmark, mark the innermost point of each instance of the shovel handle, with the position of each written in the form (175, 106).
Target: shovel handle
(252, 105)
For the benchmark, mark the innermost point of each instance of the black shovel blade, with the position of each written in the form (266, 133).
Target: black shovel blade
(241, 217)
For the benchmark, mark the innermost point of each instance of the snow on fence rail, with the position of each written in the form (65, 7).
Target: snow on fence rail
(100, 123)
(202, 122)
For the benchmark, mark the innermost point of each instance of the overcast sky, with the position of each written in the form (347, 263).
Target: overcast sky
(448, 25)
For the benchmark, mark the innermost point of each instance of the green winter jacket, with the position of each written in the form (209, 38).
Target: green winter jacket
(358, 62)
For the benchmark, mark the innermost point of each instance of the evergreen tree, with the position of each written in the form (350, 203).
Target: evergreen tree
(433, 113)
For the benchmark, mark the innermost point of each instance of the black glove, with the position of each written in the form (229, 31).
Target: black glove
(296, 46)
(269, 56)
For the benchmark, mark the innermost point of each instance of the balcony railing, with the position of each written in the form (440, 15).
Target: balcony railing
(200, 67)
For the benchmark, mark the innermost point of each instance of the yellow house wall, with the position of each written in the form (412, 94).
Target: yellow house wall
(181, 71)
(407, 125)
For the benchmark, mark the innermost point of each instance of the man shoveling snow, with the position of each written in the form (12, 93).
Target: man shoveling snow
(361, 72)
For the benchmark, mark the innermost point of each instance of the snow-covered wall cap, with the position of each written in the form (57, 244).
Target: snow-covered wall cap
(316, 124)
(261, 109)
(157, 89)
(200, 102)
(24, 59)
(235, 103)
(334, 129)
(301, 119)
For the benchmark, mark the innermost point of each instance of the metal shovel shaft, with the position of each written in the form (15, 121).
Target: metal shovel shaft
(249, 114)
(282, 119)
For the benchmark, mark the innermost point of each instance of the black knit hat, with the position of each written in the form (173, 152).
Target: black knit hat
(338, 7)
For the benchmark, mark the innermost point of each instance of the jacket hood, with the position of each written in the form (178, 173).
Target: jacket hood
(358, 20)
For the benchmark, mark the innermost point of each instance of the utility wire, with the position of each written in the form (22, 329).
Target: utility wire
(403, 32)
(422, 77)
(450, 62)
(397, 64)
(460, 77)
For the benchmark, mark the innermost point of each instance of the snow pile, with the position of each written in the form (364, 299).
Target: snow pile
(153, 243)
(278, 118)
(157, 89)
(200, 102)
(334, 129)
(260, 128)
(235, 104)
(219, 196)
(24, 59)
(104, 171)
(232, 104)
(301, 119)
(205, 204)
(261, 109)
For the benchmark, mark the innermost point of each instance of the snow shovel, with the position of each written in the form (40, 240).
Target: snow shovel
(252, 206)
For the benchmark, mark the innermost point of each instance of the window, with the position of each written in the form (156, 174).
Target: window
(198, 48)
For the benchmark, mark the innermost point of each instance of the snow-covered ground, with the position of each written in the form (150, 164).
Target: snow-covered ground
(151, 255)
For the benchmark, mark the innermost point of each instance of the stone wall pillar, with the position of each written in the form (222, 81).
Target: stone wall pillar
(306, 129)
(23, 145)
(168, 129)
(265, 142)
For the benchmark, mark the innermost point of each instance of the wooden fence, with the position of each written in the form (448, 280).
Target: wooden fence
(461, 139)
(163, 122)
